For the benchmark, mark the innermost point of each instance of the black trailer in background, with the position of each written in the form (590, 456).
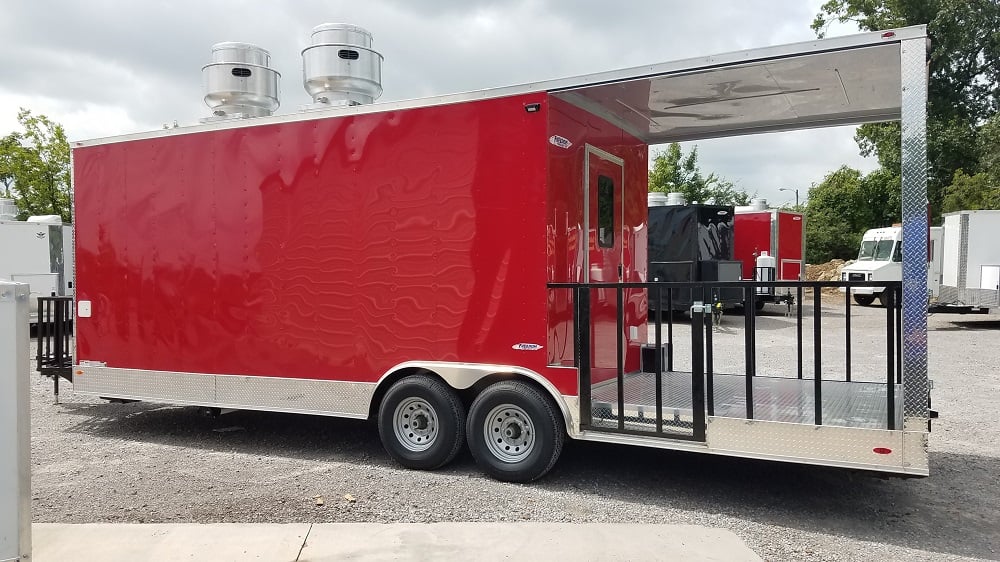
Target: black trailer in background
(692, 243)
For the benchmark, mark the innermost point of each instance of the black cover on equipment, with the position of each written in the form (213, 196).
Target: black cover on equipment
(681, 239)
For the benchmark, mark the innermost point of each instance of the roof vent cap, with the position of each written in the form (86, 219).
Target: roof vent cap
(239, 82)
(340, 68)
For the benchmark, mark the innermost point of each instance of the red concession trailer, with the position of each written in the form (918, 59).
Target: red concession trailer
(779, 233)
(466, 270)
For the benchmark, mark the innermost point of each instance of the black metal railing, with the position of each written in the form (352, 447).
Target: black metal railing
(55, 330)
(703, 362)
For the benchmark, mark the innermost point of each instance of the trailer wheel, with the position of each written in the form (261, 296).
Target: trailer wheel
(421, 422)
(883, 298)
(514, 431)
(864, 300)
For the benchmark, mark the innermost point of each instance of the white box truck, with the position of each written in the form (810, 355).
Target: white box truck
(880, 259)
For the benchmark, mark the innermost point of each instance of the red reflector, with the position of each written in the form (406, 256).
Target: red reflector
(882, 451)
(888, 35)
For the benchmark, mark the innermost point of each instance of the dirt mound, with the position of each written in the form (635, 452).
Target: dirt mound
(829, 271)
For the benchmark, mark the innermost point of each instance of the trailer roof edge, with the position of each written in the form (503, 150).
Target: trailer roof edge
(635, 119)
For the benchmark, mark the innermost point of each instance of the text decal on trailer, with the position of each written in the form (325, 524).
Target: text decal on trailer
(526, 346)
(561, 142)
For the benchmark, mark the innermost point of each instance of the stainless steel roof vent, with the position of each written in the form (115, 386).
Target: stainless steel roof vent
(239, 82)
(340, 67)
(656, 199)
(675, 198)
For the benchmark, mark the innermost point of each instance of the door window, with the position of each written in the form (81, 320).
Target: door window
(605, 212)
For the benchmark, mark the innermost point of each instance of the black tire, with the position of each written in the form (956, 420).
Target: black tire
(864, 300)
(514, 413)
(434, 405)
(758, 305)
(883, 298)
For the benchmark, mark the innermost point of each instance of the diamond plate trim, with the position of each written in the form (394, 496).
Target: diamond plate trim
(303, 396)
(983, 298)
(822, 445)
(963, 251)
(913, 68)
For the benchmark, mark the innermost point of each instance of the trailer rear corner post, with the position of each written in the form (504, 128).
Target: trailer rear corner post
(15, 466)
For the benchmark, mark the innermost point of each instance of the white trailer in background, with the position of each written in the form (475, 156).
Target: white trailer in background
(38, 252)
(970, 275)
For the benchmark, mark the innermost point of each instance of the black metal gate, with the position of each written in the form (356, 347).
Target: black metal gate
(658, 401)
(55, 330)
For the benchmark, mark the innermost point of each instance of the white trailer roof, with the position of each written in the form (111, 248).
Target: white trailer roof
(826, 82)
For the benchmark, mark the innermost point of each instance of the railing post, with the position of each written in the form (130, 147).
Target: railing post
(582, 319)
(899, 334)
(847, 333)
(698, 371)
(658, 342)
(620, 363)
(670, 330)
(709, 366)
(818, 352)
(890, 359)
(798, 326)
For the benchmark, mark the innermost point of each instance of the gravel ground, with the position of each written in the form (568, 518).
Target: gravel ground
(133, 463)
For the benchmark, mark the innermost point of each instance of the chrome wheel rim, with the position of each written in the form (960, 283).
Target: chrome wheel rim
(509, 433)
(415, 424)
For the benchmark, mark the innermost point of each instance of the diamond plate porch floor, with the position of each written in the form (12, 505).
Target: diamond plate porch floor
(845, 404)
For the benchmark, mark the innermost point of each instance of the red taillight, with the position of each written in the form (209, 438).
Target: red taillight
(882, 451)
(888, 35)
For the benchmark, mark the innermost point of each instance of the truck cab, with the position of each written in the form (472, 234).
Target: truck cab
(879, 259)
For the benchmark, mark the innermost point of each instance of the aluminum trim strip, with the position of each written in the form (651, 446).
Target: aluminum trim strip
(913, 68)
(312, 396)
(788, 444)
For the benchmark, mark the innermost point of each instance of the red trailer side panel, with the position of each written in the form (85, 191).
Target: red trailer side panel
(333, 248)
(790, 245)
(752, 235)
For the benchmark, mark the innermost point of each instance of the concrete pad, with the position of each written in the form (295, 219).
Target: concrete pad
(54, 542)
(488, 542)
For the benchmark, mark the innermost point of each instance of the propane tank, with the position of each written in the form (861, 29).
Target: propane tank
(765, 271)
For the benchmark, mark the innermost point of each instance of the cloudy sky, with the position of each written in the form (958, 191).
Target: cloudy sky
(107, 67)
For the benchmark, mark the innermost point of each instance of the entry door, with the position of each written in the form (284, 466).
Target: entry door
(603, 212)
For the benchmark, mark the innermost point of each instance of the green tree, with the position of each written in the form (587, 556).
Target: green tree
(843, 206)
(673, 172)
(34, 167)
(10, 147)
(981, 191)
(964, 86)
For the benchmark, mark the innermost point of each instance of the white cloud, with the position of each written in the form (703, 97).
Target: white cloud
(115, 66)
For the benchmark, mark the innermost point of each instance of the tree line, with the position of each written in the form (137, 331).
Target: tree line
(34, 167)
